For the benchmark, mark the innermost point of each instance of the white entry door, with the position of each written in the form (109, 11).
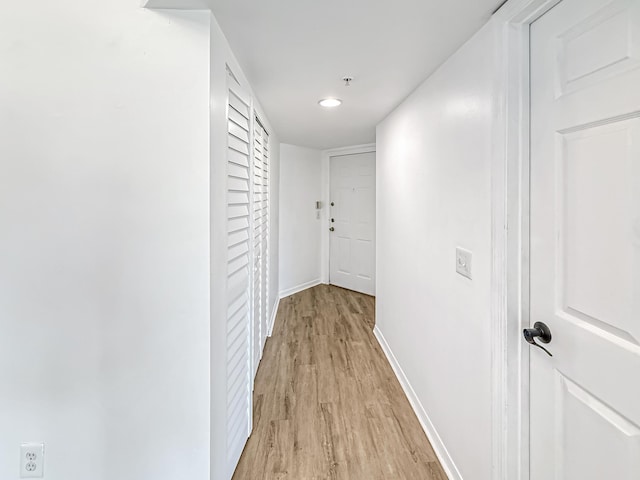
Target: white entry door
(353, 217)
(585, 241)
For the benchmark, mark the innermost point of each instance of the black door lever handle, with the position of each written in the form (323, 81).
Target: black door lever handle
(541, 331)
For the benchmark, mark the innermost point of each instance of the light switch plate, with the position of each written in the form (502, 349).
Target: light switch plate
(31, 460)
(463, 262)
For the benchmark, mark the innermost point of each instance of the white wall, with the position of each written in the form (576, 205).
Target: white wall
(434, 154)
(104, 263)
(300, 235)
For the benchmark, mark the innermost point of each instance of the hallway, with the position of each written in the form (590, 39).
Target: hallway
(327, 404)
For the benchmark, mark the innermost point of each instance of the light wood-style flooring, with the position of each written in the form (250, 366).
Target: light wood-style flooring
(327, 404)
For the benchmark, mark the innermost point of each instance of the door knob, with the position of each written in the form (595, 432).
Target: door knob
(332, 204)
(331, 229)
(541, 331)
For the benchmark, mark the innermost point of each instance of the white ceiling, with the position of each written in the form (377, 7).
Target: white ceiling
(295, 52)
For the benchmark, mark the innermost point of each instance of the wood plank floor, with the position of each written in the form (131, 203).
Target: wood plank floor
(327, 404)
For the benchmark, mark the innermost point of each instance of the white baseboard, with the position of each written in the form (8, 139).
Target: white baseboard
(299, 288)
(436, 442)
(272, 319)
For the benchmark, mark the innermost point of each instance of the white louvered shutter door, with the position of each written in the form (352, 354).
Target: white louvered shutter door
(265, 237)
(239, 378)
(257, 246)
(260, 236)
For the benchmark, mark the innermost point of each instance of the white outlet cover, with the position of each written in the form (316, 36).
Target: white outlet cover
(32, 460)
(463, 262)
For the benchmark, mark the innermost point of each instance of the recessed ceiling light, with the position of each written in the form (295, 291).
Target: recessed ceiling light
(330, 102)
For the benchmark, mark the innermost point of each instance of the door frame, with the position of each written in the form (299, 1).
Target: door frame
(510, 238)
(326, 199)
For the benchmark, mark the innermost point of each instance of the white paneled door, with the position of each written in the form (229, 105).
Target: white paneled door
(352, 222)
(585, 241)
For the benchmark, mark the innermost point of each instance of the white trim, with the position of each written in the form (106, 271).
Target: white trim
(178, 4)
(298, 288)
(429, 429)
(510, 239)
(272, 317)
(325, 254)
(352, 150)
(325, 217)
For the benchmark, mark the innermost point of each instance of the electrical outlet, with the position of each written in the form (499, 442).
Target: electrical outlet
(32, 460)
(463, 262)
